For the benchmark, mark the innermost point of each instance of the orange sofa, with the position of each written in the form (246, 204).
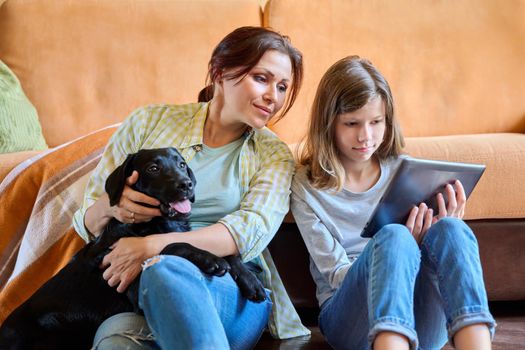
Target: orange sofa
(457, 74)
(456, 70)
(88, 64)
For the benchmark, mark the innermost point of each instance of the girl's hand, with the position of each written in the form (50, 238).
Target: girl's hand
(419, 221)
(123, 263)
(456, 202)
(130, 210)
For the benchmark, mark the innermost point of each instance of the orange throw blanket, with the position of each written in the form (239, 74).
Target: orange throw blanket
(37, 202)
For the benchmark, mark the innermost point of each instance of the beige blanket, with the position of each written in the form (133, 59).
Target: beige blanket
(37, 202)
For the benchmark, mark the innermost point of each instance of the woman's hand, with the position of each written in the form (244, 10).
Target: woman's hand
(123, 263)
(129, 209)
(419, 221)
(456, 202)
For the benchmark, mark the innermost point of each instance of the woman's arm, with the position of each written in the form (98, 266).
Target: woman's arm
(123, 263)
(95, 213)
(214, 238)
(97, 216)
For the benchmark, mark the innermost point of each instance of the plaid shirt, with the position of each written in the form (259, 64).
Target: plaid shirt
(266, 169)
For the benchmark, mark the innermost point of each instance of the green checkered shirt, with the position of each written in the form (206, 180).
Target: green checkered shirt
(265, 176)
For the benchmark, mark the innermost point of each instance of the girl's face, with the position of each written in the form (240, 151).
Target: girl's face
(359, 134)
(255, 98)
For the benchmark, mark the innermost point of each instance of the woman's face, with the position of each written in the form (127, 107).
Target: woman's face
(255, 98)
(359, 134)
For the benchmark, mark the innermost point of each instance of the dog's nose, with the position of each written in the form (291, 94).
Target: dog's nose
(186, 185)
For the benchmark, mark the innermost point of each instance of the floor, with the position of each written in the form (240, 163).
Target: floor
(510, 332)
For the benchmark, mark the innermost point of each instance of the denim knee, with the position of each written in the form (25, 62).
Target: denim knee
(397, 236)
(450, 231)
(159, 272)
(395, 245)
(161, 268)
(171, 263)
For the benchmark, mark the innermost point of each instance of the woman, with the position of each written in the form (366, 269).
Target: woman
(409, 284)
(243, 174)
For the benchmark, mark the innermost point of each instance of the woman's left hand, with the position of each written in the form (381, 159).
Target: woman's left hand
(456, 202)
(124, 263)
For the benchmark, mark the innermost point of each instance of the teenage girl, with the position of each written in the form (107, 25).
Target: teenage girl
(412, 285)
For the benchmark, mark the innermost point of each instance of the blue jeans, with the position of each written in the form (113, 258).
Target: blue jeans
(186, 309)
(424, 293)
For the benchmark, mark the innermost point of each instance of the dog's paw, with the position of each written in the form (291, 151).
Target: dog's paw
(250, 286)
(204, 260)
(211, 264)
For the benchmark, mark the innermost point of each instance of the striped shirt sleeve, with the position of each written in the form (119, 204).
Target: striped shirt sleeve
(126, 140)
(266, 201)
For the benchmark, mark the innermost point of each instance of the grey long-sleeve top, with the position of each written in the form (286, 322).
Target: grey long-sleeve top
(331, 223)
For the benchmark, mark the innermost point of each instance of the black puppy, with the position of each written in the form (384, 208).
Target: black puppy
(67, 310)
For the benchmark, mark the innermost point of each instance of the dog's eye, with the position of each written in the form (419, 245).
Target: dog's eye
(153, 169)
(182, 165)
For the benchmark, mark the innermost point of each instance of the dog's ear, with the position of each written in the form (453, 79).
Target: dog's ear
(117, 179)
(193, 180)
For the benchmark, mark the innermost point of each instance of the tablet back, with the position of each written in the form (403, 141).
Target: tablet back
(416, 181)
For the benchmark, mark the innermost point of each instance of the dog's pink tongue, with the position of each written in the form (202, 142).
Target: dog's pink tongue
(182, 207)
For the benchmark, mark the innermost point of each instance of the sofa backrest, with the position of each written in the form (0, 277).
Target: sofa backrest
(455, 67)
(86, 64)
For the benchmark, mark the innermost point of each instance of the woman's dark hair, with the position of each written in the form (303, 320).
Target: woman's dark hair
(242, 49)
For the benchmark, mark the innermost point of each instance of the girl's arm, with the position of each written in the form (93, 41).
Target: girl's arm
(327, 253)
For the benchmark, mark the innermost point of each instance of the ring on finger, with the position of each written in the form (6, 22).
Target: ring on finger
(132, 217)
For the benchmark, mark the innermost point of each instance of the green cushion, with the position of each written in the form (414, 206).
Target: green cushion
(20, 128)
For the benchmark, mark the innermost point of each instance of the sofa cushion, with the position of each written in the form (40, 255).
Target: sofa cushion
(499, 192)
(455, 67)
(19, 126)
(88, 64)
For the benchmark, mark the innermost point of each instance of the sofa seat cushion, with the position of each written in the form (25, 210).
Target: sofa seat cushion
(499, 193)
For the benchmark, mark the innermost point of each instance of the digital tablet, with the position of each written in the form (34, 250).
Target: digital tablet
(417, 181)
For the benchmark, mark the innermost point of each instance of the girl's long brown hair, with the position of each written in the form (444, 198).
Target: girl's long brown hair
(347, 86)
